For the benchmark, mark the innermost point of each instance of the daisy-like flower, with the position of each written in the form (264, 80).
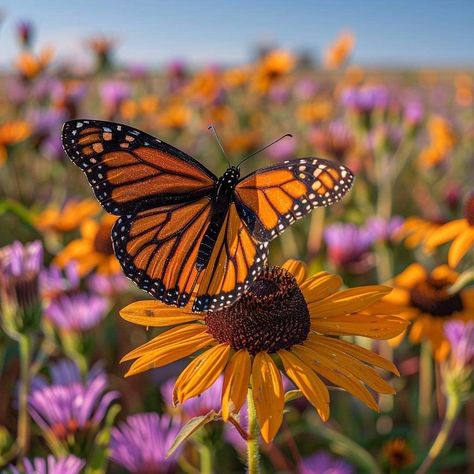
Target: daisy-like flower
(398, 454)
(339, 51)
(323, 463)
(417, 230)
(11, 133)
(50, 465)
(54, 282)
(422, 297)
(93, 250)
(283, 322)
(68, 217)
(141, 443)
(459, 231)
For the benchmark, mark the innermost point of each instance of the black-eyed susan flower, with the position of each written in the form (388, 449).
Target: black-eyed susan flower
(459, 231)
(93, 250)
(285, 322)
(422, 297)
(398, 454)
(416, 230)
(11, 133)
(271, 68)
(339, 51)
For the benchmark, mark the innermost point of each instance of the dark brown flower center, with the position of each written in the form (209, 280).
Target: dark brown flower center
(103, 240)
(431, 296)
(469, 209)
(271, 315)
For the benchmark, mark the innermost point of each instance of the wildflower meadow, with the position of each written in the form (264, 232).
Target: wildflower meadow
(332, 330)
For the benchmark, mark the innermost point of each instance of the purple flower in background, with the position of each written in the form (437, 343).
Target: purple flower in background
(283, 150)
(461, 339)
(196, 406)
(348, 246)
(232, 435)
(108, 285)
(335, 139)
(323, 463)
(413, 113)
(140, 444)
(306, 88)
(51, 465)
(20, 266)
(365, 99)
(113, 93)
(45, 122)
(383, 230)
(54, 282)
(77, 312)
(68, 406)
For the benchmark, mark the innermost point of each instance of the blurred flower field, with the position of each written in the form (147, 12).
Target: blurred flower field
(385, 276)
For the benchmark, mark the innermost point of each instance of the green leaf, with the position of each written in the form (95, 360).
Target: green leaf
(292, 395)
(190, 428)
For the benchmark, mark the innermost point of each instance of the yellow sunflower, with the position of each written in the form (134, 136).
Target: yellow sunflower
(459, 231)
(93, 250)
(271, 68)
(422, 297)
(285, 322)
(67, 218)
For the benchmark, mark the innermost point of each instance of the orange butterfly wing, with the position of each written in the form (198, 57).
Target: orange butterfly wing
(157, 248)
(130, 170)
(270, 199)
(235, 262)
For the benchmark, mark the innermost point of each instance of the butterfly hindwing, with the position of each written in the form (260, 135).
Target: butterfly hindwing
(130, 170)
(271, 199)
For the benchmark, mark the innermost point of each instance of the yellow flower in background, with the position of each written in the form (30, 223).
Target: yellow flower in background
(338, 52)
(30, 66)
(464, 85)
(67, 218)
(10, 133)
(314, 112)
(285, 322)
(459, 231)
(93, 251)
(398, 454)
(175, 116)
(416, 230)
(442, 140)
(422, 297)
(205, 86)
(236, 77)
(273, 66)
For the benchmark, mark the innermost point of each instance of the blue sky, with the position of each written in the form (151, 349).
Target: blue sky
(396, 32)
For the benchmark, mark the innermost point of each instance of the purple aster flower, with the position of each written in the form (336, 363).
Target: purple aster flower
(306, 88)
(348, 246)
(45, 121)
(196, 406)
(69, 407)
(113, 93)
(461, 339)
(108, 285)
(413, 113)
(20, 266)
(54, 282)
(140, 444)
(51, 465)
(323, 463)
(282, 150)
(365, 99)
(383, 230)
(77, 312)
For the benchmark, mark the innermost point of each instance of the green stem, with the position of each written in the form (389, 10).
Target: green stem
(253, 455)
(452, 412)
(205, 457)
(23, 417)
(426, 390)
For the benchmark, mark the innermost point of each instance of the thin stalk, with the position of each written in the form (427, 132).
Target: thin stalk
(205, 457)
(23, 417)
(426, 390)
(452, 412)
(253, 455)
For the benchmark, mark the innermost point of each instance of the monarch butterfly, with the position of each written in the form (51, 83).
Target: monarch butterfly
(183, 234)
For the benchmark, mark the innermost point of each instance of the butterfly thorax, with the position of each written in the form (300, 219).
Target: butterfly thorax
(221, 199)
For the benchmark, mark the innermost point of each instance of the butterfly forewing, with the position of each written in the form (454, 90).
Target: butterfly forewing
(130, 170)
(270, 199)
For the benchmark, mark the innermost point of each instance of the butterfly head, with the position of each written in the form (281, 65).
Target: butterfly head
(231, 176)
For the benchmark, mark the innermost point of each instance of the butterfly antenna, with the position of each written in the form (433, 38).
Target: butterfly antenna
(211, 127)
(265, 147)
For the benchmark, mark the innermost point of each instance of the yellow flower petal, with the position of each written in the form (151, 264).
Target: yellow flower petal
(446, 232)
(445, 272)
(364, 373)
(152, 313)
(467, 296)
(307, 381)
(320, 286)
(201, 373)
(348, 301)
(397, 340)
(412, 275)
(297, 268)
(335, 374)
(368, 325)
(460, 246)
(89, 229)
(176, 335)
(357, 351)
(268, 395)
(236, 382)
(398, 296)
